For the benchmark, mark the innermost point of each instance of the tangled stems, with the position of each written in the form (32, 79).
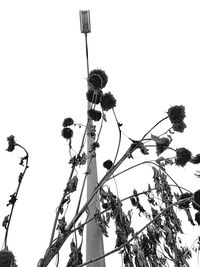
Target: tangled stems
(64, 194)
(50, 253)
(55, 247)
(148, 162)
(122, 200)
(21, 176)
(136, 234)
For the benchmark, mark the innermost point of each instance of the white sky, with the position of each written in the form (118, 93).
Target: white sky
(150, 52)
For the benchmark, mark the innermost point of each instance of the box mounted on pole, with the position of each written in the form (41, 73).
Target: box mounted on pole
(85, 21)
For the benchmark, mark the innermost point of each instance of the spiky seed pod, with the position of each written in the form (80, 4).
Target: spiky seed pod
(176, 114)
(108, 164)
(68, 122)
(179, 127)
(97, 79)
(94, 114)
(197, 217)
(7, 258)
(67, 133)
(108, 101)
(94, 96)
(183, 155)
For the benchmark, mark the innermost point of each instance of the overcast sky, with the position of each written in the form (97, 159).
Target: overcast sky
(150, 52)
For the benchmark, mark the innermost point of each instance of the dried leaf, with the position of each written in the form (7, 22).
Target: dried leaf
(72, 185)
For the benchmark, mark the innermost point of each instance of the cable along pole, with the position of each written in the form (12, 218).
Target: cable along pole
(94, 237)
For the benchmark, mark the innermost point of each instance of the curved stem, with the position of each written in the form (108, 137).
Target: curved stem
(16, 194)
(100, 129)
(147, 162)
(154, 127)
(120, 134)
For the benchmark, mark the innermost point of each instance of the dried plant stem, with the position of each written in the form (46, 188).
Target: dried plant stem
(55, 247)
(16, 194)
(153, 127)
(147, 162)
(135, 235)
(64, 194)
(83, 185)
(122, 200)
(120, 135)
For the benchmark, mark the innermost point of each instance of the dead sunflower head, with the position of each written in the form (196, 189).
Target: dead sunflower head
(68, 122)
(176, 114)
(11, 143)
(183, 155)
(108, 101)
(94, 96)
(7, 258)
(67, 133)
(94, 114)
(97, 79)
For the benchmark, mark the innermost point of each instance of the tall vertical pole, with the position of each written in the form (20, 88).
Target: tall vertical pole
(94, 237)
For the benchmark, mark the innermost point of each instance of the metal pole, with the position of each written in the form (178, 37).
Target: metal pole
(94, 237)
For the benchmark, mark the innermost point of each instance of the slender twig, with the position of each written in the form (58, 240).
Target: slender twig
(101, 126)
(16, 193)
(147, 162)
(83, 185)
(153, 127)
(120, 134)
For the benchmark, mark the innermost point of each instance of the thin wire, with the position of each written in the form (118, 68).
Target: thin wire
(87, 56)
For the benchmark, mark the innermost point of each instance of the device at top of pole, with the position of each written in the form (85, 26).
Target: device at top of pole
(85, 21)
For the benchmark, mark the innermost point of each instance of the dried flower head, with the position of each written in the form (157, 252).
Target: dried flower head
(11, 143)
(108, 101)
(161, 143)
(183, 155)
(94, 114)
(108, 164)
(196, 159)
(176, 114)
(67, 133)
(68, 122)
(179, 127)
(197, 217)
(94, 96)
(97, 79)
(7, 258)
